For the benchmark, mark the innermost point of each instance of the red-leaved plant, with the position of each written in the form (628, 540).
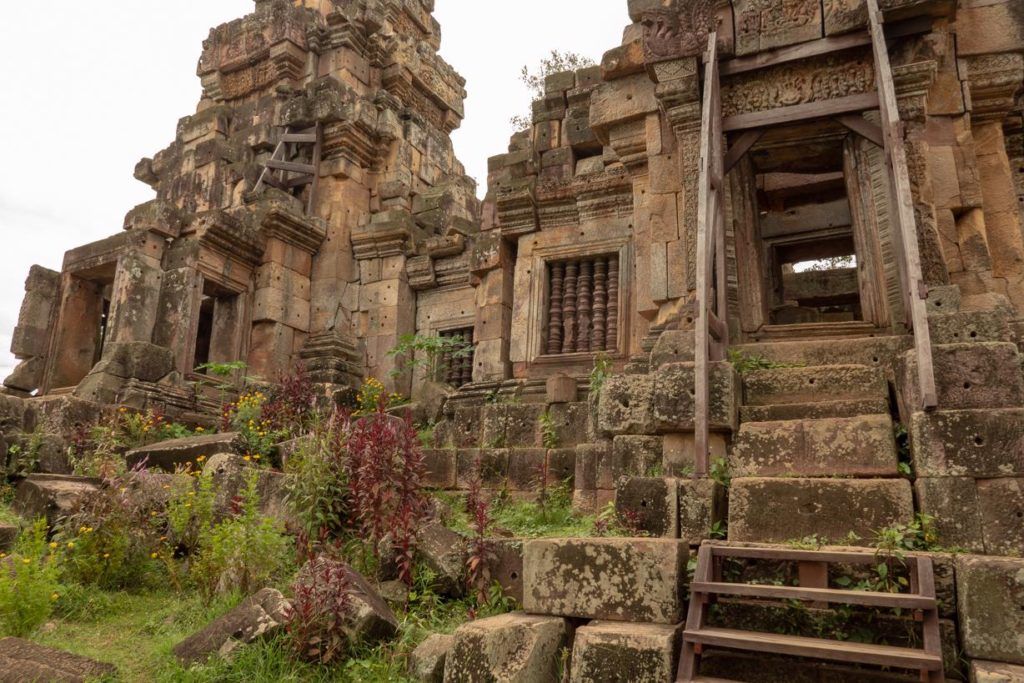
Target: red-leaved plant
(321, 609)
(291, 404)
(481, 554)
(385, 472)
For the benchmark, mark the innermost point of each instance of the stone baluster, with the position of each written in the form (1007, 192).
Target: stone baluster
(569, 307)
(612, 337)
(555, 308)
(597, 339)
(584, 304)
(467, 360)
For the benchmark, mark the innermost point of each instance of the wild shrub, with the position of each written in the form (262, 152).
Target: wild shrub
(111, 541)
(290, 408)
(481, 553)
(317, 485)
(385, 471)
(321, 609)
(242, 553)
(29, 583)
(98, 450)
(246, 416)
(190, 511)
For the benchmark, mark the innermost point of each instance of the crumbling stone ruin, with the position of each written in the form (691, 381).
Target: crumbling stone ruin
(756, 278)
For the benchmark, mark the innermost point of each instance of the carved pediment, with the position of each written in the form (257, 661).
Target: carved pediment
(677, 31)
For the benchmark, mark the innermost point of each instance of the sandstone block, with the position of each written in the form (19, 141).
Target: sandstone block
(781, 510)
(813, 384)
(637, 456)
(426, 663)
(8, 534)
(673, 402)
(626, 405)
(517, 648)
(525, 468)
(968, 443)
(440, 468)
(861, 446)
(464, 427)
(673, 346)
(51, 495)
(814, 411)
(506, 566)
(609, 651)
(980, 375)
(261, 615)
(618, 579)
(588, 459)
(444, 552)
(570, 421)
(677, 453)
(561, 466)
(990, 595)
(702, 504)
(975, 326)
(141, 360)
(23, 660)
(953, 502)
(175, 453)
(1002, 515)
(996, 672)
(489, 464)
(651, 503)
(562, 389)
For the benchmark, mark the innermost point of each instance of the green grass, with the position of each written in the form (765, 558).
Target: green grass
(524, 519)
(136, 633)
(8, 516)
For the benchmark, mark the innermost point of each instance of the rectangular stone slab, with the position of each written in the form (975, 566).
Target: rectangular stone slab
(616, 651)
(990, 596)
(782, 510)
(618, 579)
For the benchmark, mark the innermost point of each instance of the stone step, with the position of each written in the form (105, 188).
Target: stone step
(878, 352)
(970, 327)
(981, 444)
(862, 446)
(814, 384)
(789, 509)
(814, 410)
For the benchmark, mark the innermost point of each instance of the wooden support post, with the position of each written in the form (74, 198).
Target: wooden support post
(916, 291)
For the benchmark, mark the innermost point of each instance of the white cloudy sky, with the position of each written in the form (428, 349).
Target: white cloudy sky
(89, 88)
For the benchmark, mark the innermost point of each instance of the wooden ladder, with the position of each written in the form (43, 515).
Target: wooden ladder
(285, 173)
(707, 585)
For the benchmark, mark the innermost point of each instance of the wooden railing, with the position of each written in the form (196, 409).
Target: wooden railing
(711, 333)
(909, 258)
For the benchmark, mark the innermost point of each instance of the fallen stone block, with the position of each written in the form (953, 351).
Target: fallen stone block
(52, 495)
(444, 552)
(175, 453)
(996, 672)
(609, 651)
(781, 510)
(861, 446)
(261, 615)
(230, 474)
(512, 648)
(8, 534)
(990, 596)
(968, 443)
(426, 663)
(22, 661)
(506, 566)
(618, 579)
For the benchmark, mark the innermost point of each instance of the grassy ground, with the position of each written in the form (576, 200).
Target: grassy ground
(136, 633)
(523, 519)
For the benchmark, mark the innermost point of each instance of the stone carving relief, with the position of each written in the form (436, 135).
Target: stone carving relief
(764, 24)
(815, 80)
(672, 33)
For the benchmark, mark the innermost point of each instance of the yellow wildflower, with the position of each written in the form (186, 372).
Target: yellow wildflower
(71, 544)
(106, 556)
(55, 597)
(53, 545)
(201, 458)
(247, 458)
(199, 430)
(154, 555)
(26, 561)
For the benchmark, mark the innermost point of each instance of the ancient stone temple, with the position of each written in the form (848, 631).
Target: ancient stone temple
(759, 275)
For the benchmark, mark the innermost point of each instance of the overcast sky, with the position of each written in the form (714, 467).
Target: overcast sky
(89, 88)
